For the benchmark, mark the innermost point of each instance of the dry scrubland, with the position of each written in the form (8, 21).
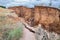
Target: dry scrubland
(10, 26)
(12, 29)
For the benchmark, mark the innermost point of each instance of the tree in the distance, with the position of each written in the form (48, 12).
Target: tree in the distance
(3, 6)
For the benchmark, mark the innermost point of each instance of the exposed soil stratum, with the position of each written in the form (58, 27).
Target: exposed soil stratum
(48, 17)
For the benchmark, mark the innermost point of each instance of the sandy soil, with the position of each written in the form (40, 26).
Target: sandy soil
(27, 35)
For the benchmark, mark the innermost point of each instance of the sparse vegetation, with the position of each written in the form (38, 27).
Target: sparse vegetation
(8, 29)
(15, 34)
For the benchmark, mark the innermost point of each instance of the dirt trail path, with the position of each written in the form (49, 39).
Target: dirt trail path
(27, 35)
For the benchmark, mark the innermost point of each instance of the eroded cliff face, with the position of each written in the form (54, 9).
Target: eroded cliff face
(48, 17)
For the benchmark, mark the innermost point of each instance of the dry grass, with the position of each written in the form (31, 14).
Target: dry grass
(10, 29)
